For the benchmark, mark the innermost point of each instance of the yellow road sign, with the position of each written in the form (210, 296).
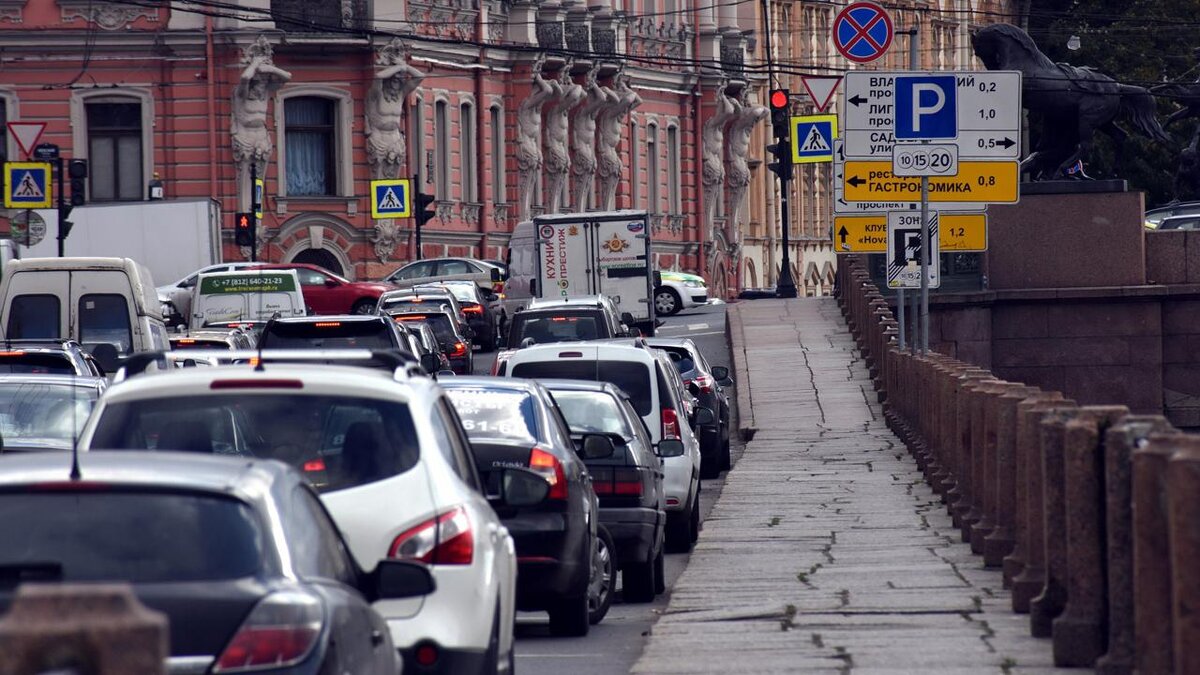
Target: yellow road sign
(868, 233)
(975, 182)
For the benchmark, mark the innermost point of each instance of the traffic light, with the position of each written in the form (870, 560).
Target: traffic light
(64, 225)
(781, 113)
(424, 209)
(781, 153)
(243, 229)
(77, 169)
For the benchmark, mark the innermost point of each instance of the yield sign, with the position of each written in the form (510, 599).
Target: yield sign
(27, 134)
(820, 90)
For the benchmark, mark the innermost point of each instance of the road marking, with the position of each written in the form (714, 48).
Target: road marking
(697, 326)
(711, 332)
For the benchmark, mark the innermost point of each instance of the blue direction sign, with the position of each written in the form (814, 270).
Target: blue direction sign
(812, 138)
(926, 107)
(391, 198)
(862, 32)
(27, 185)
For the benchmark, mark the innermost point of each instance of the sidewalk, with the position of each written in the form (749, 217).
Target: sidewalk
(826, 552)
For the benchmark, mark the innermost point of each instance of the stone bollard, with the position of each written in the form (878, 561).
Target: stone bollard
(994, 432)
(1002, 539)
(981, 405)
(98, 629)
(1183, 523)
(965, 511)
(1025, 567)
(1050, 604)
(1119, 445)
(942, 372)
(1081, 630)
(953, 452)
(1152, 622)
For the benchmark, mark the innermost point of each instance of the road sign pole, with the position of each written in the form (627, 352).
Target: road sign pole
(925, 244)
(900, 315)
(62, 205)
(254, 209)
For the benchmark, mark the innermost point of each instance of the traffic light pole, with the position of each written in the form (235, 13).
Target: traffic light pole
(62, 207)
(254, 207)
(416, 180)
(785, 287)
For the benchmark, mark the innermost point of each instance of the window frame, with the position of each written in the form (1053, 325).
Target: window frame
(115, 134)
(498, 182)
(674, 164)
(442, 187)
(79, 312)
(468, 143)
(329, 131)
(653, 193)
(343, 114)
(79, 131)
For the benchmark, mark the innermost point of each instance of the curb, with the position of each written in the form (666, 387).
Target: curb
(737, 349)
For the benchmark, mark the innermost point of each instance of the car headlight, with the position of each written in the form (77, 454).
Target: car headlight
(693, 284)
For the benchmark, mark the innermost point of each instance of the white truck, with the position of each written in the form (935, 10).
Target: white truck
(569, 254)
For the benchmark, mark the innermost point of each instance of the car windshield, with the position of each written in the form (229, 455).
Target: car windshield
(682, 360)
(337, 442)
(84, 535)
(632, 377)
(547, 327)
(495, 413)
(327, 335)
(43, 414)
(461, 292)
(590, 412)
(440, 323)
(36, 362)
(199, 343)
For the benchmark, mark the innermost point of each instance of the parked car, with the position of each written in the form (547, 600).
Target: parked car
(238, 553)
(45, 412)
(389, 457)
(678, 291)
(629, 483)
(328, 293)
(445, 269)
(455, 345)
(177, 297)
(707, 383)
(644, 375)
(332, 332)
(481, 307)
(565, 562)
(59, 357)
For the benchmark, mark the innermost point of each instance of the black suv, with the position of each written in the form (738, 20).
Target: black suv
(592, 317)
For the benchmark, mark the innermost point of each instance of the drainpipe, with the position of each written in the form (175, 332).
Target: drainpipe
(698, 141)
(481, 193)
(212, 99)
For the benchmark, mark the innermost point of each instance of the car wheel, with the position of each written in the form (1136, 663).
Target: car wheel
(600, 587)
(569, 617)
(679, 532)
(710, 467)
(694, 520)
(667, 302)
(363, 307)
(726, 459)
(491, 658)
(639, 581)
(660, 573)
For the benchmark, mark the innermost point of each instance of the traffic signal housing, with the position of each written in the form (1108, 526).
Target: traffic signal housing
(781, 156)
(781, 112)
(424, 209)
(244, 229)
(77, 170)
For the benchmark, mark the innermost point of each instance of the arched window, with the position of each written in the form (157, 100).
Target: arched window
(652, 178)
(467, 157)
(497, 180)
(674, 205)
(441, 140)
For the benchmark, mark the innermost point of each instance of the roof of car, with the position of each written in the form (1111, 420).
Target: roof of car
(363, 318)
(576, 300)
(485, 382)
(56, 380)
(671, 342)
(579, 385)
(589, 349)
(239, 476)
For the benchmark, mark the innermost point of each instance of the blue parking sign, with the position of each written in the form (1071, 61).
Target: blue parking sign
(27, 185)
(926, 107)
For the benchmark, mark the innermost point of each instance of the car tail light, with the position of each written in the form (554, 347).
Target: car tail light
(627, 482)
(12, 353)
(280, 631)
(670, 429)
(472, 309)
(703, 382)
(327, 324)
(186, 341)
(255, 383)
(459, 349)
(570, 355)
(444, 540)
(551, 469)
(314, 465)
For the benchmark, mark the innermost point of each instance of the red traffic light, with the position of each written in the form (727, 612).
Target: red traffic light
(779, 99)
(243, 220)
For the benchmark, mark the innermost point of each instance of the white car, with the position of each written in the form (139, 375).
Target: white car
(645, 374)
(178, 296)
(678, 291)
(387, 453)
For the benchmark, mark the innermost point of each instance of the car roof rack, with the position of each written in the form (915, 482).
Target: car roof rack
(401, 363)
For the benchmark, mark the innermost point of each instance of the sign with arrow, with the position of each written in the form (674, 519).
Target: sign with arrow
(958, 232)
(840, 205)
(986, 107)
(975, 182)
(904, 251)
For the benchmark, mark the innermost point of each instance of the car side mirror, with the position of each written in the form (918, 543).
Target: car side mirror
(398, 579)
(494, 274)
(657, 279)
(520, 487)
(596, 446)
(107, 356)
(627, 318)
(430, 362)
(704, 416)
(491, 297)
(670, 448)
(528, 342)
(721, 375)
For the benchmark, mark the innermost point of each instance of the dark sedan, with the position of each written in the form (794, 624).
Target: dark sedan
(456, 346)
(239, 554)
(629, 483)
(707, 383)
(564, 560)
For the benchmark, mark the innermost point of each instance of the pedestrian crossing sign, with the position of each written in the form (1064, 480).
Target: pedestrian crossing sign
(812, 138)
(391, 198)
(27, 185)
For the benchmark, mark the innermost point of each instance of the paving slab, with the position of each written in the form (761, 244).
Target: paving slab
(826, 552)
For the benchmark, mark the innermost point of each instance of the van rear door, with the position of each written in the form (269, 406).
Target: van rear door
(564, 257)
(102, 310)
(33, 305)
(622, 263)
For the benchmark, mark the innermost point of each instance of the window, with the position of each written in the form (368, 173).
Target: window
(4, 126)
(448, 267)
(35, 316)
(306, 15)
(115, 150)
(441, 139)
(453, 444)
(673, 202)
(417, 160)
(466, 153)
(416, 271)
(635, 183)
(652, 178)
(632, 377)
(310, 277)
(316, 546)
(309, 146)
(495, 413)
(496, 124)
(104, 318)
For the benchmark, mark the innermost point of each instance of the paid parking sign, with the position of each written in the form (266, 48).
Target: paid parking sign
(390, 198)
(27, 185)
(926, 107)
(812, 138)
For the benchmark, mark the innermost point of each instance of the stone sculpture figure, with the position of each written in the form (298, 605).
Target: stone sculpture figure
(737, 173)
(621, 99)
(713, 137)
(529, 141)
(251, 141)
(567, 95)
(386, 145)
(583, 142)
(1073, 102)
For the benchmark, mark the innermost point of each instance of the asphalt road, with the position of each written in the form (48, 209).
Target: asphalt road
(615, 644)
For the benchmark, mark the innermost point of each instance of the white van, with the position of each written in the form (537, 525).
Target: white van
(108, 305)
(246, 296)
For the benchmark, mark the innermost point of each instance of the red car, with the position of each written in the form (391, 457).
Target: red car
(327, 293)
